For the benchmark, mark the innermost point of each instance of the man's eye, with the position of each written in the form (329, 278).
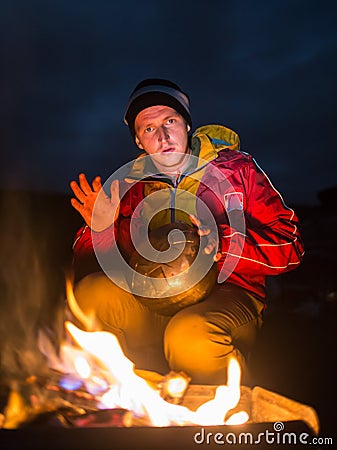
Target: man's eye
(170, 121)
(148, 129)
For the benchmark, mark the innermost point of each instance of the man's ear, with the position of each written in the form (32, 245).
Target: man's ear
(139, 145)
(188, 127)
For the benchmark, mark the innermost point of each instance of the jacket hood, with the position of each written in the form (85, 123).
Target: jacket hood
(206, 142)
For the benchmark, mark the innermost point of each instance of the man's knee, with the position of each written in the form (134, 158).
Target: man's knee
(190, 337)
(94, 289)
(185, 329)
(192, 346)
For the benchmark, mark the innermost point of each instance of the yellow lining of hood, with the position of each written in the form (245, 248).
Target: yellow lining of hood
(219, 137)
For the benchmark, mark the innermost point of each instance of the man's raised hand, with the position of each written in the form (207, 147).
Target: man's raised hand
(98, 210)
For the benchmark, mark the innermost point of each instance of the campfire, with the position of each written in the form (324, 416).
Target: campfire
(92, 384)
(100, 377)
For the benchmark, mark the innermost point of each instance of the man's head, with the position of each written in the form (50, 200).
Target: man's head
(153, 92)
(159, 120)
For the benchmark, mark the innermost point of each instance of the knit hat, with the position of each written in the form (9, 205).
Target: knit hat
(152, 92)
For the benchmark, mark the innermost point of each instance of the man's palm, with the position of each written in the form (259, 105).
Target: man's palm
(97, 209)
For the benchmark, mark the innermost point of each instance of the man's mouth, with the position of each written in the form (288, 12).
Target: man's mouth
(168, 150)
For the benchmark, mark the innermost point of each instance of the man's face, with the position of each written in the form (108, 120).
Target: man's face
(163, 134)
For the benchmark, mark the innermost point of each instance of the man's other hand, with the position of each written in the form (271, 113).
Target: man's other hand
(211, 239)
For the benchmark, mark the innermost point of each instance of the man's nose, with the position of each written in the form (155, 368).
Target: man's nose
(163, 134)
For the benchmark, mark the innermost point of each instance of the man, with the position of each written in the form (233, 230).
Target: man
(257, 236)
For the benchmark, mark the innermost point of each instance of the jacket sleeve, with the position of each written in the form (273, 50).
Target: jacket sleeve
(84, 256)
(269, 242)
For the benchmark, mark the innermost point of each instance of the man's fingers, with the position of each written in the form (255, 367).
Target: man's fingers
(76, 204)
(212, 241)
(77, 191)
(217, 256)
(96, 184)
(202, 231)
(114, 191)
(212, 247)
(85, 186)
(209, 247)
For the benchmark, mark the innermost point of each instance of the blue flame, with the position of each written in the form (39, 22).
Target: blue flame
(70, 383)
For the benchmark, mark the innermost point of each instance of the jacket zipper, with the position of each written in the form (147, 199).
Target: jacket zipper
(172, 203)
(175, 184)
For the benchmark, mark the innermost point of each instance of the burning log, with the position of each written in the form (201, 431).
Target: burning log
(173, 386)
(39, 399)
(79, 408)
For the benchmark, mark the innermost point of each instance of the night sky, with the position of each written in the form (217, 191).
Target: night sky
(267, 69)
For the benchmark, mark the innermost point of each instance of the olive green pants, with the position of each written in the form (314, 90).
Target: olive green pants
(199, 339)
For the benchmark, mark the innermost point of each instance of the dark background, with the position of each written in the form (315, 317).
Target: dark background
(265, 69)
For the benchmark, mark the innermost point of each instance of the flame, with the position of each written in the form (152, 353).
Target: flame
(176, 385)
(88, 320)
(212, 412)
(82, 367)
(130, 391)
(238, 418)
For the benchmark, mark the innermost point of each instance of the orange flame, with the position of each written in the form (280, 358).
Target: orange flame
(130, 391)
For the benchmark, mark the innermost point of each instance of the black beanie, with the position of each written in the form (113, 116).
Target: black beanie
(152, 92)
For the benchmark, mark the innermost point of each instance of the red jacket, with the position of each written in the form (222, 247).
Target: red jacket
(258, 233)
